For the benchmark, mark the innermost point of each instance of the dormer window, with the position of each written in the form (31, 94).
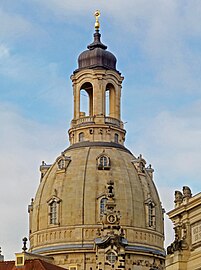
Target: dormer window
(103, 162)
(63, 162)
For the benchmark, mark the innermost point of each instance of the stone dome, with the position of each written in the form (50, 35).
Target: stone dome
(96, 56)
(78, 187)
(97, 206)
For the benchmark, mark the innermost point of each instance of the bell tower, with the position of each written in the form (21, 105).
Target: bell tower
(98, 77)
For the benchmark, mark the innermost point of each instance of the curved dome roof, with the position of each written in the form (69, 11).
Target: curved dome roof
(74, 199)
(96, 56)
(78, 189)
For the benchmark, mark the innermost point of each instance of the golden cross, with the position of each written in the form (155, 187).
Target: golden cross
(97, 15)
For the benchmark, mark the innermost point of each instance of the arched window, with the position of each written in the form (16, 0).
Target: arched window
(116, 138)
(81, 136)
(110, 100)
(103, 202)
(86, 99)
(103, 162)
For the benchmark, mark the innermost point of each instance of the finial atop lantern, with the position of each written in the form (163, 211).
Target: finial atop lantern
(97, 23)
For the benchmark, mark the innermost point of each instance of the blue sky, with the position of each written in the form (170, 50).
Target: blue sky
(158, 47)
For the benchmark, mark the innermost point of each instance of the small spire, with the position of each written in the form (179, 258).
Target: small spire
(24, 240)
(97, 23)
(97, 42)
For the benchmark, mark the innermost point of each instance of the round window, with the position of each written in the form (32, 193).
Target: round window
(111, 257)
(111, 218)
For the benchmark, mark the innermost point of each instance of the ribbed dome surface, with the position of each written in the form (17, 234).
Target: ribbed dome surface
(96, 56)
(79, 189)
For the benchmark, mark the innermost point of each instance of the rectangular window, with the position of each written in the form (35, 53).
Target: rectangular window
(53, 213)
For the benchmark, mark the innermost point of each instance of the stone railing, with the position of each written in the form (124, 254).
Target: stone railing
(83, 121)
(113, 121)
(91, 120)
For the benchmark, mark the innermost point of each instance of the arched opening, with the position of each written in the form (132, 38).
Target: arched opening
(110, 100)
(86, 100)
(81, 136)
(107, 102)
(116, 138)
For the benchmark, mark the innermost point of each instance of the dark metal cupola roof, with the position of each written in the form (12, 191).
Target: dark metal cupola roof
(97, 57)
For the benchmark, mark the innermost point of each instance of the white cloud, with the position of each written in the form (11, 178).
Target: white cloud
(24, 144)
(172, 141)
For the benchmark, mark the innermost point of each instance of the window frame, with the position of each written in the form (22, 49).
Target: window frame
(150, 214)
(103, 162)
(53, 212)
(102, 203)
(61, 164)
(81, 137)
(108, 257)
(54, 205)
(116, 138)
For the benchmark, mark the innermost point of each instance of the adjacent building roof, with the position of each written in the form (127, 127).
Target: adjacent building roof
(35, 264)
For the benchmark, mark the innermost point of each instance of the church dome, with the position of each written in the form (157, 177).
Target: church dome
(97, 206)
(97, 56)
(77, 183)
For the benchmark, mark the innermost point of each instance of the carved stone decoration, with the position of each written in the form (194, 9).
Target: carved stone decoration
(187, 192)
(91, 131)
(108, 131)
(44, 168)
(178, 198)
(110, 244)
(183, 197)
(150, 171)
(180, 242)
(139, 164)
(100, 131)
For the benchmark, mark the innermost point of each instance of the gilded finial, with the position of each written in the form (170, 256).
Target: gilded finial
(97, 23)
